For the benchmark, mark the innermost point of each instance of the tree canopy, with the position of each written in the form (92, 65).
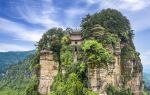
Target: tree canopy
(95, 52)
(112, 20)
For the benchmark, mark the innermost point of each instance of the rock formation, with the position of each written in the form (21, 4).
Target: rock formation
(121, 74)
(47, 72)
(128, 75)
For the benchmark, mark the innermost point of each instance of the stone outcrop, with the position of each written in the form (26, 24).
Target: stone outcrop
(135, 75)
(48, 69)
(113, 74)
(127, 74)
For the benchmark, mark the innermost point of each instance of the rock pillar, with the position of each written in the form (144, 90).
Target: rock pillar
(48, 70)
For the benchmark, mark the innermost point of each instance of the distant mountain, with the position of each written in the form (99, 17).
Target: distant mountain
(147, 80)
(10, 58)
(19, 79)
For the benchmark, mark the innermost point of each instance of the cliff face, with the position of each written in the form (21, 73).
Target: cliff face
(48, 70)
(101, 57)
(134, 76)
(125, 72)
(121, 74)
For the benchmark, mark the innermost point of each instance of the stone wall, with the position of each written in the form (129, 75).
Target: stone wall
(48, 69)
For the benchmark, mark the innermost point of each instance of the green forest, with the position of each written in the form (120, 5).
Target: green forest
(10, 58)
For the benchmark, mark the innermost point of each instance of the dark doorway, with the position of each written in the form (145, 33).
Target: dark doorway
(75, 48)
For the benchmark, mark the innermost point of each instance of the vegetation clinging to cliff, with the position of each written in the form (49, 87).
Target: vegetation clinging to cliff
(96, 53)
(100, 30)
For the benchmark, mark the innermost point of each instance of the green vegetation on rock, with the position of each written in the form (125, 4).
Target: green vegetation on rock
(96, 53)
(103, 33)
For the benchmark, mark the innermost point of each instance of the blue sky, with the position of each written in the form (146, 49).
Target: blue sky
(22, 22)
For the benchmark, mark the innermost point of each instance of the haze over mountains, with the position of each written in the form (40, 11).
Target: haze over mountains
(10, 58)
(146, 79)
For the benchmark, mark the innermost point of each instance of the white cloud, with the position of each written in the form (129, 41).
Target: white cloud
(19, 31)
(136, 10)
(42, 13)
(73, 12)
(4, 47)
(141, 23)
(147, 53)
(145, 57)
(92, 1)
(130, 5)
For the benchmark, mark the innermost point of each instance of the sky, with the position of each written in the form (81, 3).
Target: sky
(22, 22)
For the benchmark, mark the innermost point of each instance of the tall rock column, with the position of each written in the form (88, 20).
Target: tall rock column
(92, 78)
(117, 69)
(101, 77)
(48, 70)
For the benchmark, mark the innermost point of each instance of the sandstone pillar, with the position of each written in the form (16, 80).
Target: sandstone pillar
(48, 70)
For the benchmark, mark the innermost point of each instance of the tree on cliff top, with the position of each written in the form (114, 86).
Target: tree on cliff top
(112, 20)
(95, 53)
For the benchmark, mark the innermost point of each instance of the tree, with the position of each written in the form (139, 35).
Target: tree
(66, 56)
(95, 53)
(43, 43)
(112, 20)
(51, 40)
(97, 32)
(72, 86)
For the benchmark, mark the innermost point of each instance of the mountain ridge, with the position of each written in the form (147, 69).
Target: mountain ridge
(12, 57)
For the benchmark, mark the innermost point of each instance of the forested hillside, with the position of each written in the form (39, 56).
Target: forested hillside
(147, 80)
(11, 58)
(20, 78)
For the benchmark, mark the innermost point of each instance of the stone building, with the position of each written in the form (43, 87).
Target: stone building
(76, 41)
(76, 38)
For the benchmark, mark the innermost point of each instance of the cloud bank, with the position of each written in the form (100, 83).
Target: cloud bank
(19, 30)
(13, 47)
